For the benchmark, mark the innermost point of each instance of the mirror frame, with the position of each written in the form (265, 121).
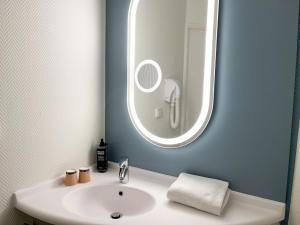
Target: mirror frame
(208, 82)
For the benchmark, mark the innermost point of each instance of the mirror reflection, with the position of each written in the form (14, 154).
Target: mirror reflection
(172, 33)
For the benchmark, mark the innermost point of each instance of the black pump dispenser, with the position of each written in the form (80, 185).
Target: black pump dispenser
(102, 156)
(102, 142)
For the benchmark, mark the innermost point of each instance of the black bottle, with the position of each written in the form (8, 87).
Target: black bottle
(102, 157)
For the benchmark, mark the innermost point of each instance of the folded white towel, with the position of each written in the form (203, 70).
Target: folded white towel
(206, 194)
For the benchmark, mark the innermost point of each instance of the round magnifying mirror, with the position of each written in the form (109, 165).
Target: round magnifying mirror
(148, 76)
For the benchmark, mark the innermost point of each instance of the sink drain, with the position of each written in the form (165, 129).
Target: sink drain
(116, 215)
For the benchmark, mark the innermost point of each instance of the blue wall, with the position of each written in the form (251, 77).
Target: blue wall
(295, 129)
(247, 141)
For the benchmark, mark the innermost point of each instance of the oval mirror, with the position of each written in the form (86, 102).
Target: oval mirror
(171, 68)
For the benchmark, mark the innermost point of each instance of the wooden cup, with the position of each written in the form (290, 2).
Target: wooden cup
(71, 177)
(84, 175)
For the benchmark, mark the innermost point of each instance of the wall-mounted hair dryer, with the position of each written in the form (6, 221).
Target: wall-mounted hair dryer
(172, 96)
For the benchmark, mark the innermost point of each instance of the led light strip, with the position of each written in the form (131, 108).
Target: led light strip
(208, 82)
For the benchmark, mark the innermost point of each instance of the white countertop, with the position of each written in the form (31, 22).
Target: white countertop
(45, 202)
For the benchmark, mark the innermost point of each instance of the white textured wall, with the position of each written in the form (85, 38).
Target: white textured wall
(295, 204)
(51, 90)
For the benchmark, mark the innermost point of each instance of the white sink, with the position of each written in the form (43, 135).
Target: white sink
(143, 201)
(103, 200)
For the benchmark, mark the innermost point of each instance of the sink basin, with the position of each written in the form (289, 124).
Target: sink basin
(142, 201)
(104, 200)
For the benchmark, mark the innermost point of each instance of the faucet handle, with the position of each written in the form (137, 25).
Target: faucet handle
(124, 162)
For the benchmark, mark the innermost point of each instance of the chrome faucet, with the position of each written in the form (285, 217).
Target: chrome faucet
(124, 171)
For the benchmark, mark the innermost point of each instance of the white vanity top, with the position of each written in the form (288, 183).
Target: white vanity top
(46, 202)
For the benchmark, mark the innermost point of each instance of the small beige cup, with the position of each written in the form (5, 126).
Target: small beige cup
(71, 177)
(84, 175)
